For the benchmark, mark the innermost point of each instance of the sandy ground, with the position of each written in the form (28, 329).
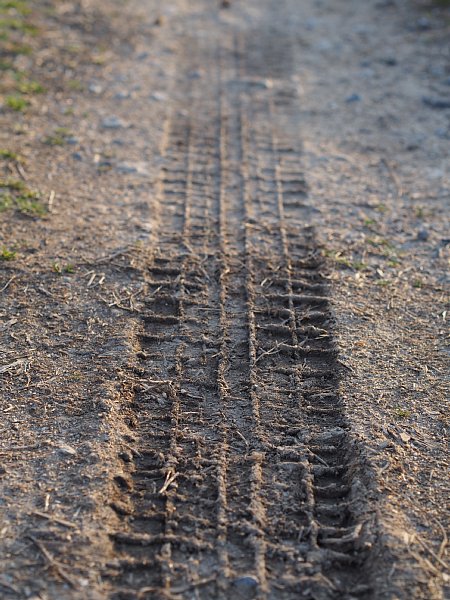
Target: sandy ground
(223, 301)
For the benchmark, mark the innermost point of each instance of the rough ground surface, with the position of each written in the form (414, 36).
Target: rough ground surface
(223, 319)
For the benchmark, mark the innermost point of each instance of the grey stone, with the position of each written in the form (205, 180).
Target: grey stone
(436, 103)
(423, 235)
(353, 98)
(95, 88)
(122, 95)
(245, 586)
(159, 96)
(137, 168)
(113, 122)
(67, 450)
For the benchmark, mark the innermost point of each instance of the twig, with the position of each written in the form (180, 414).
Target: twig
(433, 554)
(44, 291)
(51, 199)
(170, 478)
(271, 351)
(7, 283)
(21, 171)
(8, 586)
(54, 563)
(38, 513)
(444, 542)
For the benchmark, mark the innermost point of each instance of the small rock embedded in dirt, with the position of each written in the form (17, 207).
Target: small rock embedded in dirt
(389, 61)
(436, 103)
(138, 168)
(95, 88)
(67, 450)
(423, 235)
(113, 123)
(122, 95)
(353, 98)
(245, 586)
(423, 24)
(159, 96)
(77, 156)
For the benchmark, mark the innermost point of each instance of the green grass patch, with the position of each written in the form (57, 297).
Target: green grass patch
(60, 269)
(18, 6)
(30, 87)
(14, 184)
(402, 413)
(6, 202)
(19, 197)
(16, 103)
(30, 206)
(8, 155)
(18, 25)
(6, 254)
(58, 137)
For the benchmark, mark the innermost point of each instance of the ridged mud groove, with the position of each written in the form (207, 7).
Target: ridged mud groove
(244, 483)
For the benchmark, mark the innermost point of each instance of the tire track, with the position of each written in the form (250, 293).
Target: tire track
(244, 481)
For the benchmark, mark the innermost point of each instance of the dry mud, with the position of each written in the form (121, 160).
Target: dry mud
(196, 437)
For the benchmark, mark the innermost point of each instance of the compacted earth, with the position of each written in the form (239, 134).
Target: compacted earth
(224, 253)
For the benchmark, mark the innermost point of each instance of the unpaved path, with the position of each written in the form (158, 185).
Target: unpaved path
(202, 423)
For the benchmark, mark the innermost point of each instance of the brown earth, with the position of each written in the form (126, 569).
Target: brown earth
(223, 300)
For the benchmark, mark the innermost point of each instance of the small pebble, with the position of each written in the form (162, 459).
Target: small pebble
(113, 123)
(159, 96)
(353, 98)
(67, 450)
(436, 103)
(423, 235)
(77, 156)
(389, 61)
(423, 24)
(122, 95)
(95, 88)
(138, 168)
(247, 582)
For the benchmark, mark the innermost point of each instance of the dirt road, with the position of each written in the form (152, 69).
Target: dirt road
(209, 418)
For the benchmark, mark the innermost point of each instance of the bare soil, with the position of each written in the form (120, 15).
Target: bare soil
(223, 301)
